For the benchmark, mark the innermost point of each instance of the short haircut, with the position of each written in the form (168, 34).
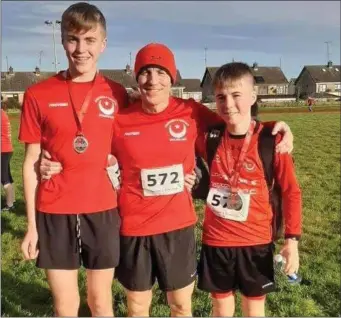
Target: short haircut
(231, 72)
(82, 16)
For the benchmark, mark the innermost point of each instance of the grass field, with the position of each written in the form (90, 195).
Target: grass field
(317, 157)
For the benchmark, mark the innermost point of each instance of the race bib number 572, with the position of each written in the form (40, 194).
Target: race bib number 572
(162, 181)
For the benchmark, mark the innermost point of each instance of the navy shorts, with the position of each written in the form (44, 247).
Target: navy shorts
(6, 176)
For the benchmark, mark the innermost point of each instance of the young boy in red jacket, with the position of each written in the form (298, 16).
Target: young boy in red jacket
(237, 250)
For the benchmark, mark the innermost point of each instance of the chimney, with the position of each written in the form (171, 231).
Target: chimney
(128, 69)
(255, 66)
(330, 64)
(37, 71)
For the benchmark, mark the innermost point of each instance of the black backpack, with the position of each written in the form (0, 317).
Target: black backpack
(266, 149)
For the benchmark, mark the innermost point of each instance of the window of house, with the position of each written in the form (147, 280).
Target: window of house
(280, 90)
(322, 87)
(337, 87)
(175, 92)
(259, 79)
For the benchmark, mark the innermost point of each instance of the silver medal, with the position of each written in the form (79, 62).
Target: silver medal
(234, 201)
(80, 144)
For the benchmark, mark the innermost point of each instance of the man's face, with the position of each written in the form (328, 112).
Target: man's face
(234, 100)
(155, 85)
(84, 48)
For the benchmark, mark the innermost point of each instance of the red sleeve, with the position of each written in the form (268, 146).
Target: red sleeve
(124, 100)
(30, 121)
(291, 193)
(205, 117)
(113, 140)
(200, 145)
(121, 96)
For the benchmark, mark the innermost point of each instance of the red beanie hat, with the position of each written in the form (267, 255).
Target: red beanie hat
(156, 54)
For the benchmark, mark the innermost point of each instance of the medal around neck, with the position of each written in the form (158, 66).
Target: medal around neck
(80, 144)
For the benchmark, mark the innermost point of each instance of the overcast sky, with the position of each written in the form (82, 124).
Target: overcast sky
(269, 32)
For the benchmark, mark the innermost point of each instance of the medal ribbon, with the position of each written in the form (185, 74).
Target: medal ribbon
(79, 116)
(235, 167)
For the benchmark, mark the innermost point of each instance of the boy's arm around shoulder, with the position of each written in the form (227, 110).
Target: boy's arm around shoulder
(291, 193)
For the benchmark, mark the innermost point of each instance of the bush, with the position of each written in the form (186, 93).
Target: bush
(12, 103)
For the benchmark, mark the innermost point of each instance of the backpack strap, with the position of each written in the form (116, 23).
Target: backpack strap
(214, 137)
(266, 149)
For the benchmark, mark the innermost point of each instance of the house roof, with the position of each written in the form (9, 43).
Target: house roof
(20, 81)
(269, 75)
(323, 73)
(122, 76)
(209, 70)
(191, 85)
(262, 74)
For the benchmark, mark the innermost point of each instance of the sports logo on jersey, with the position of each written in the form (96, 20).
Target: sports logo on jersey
(58, 104)
(177, 128)
(249, 165)
(106, 106)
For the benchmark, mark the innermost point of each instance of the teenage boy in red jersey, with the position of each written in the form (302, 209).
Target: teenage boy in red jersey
(237, 250)
(73, 218)
(6, 155)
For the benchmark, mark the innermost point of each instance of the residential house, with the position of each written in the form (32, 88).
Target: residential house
(319, 81)
(270, 83)
(292, 87)
(14, 84)
(206, 84)
(192, 89)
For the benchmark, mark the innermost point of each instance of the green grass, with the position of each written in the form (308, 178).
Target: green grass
(317, 158)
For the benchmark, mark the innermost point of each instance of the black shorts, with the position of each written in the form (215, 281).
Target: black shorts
(169, 257)
(67, 241)
(6, 176)
(249, 269)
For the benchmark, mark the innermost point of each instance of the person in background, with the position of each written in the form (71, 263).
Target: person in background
(6, 155)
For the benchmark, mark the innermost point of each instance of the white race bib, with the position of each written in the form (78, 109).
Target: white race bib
(162, 181)
(114, 176)
(229, 206)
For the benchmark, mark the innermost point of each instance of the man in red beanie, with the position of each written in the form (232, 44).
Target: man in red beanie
(153, 141)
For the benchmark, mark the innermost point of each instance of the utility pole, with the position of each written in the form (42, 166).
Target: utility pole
(130, 59)
(328, 53)
(40, 54)
(280, 63)
(7, 62)
(53, 24)
(205, 56)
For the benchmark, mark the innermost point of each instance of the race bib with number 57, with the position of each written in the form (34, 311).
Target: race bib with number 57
(162, 181)
(228, 205)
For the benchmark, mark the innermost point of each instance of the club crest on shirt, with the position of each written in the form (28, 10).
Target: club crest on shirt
(249, 165)
(177, 128)
(106, 106)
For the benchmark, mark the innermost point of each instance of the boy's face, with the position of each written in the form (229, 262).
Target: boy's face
(234, 100)
(155, 85)
(84, 48)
